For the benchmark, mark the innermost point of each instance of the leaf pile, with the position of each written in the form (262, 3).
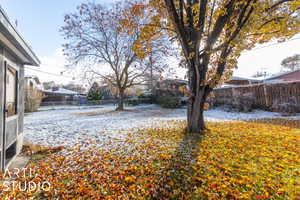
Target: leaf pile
(237, 160)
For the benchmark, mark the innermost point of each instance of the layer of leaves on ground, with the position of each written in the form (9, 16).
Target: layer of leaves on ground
(293, 123)
(237, 160)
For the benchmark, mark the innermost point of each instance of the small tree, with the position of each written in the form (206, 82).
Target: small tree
(291, 63)
(95, 93)
(94, 35)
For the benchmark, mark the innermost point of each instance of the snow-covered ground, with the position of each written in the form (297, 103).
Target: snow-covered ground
(70, 125)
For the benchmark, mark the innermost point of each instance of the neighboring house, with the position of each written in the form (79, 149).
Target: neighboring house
(171, 87)
(171, 84)
(75, 87)
(106, 92)
(59, 96)
(33, 82)
(240, 81)
(48, 85)
(33, 93)
(14, 54)
(285, 77)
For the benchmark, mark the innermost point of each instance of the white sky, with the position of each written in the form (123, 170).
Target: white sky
(40, 26)
(268, 58)
(250, 62)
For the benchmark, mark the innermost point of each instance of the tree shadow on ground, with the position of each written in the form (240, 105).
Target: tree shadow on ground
(292, 123)
(178, 177)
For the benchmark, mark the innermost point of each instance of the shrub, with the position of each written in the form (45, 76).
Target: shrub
(139, 100)
(133, 102)
(168, 92)
(144, 96)
(94, 96)
(169, 101)
(33, 99)
(147, 98)
(95, 93)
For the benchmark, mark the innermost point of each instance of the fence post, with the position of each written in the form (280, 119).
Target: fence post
(233, 96)
(266, 95)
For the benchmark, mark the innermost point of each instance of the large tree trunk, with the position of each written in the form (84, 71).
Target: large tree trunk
(195, 113)
(195, 118)
(121, 101)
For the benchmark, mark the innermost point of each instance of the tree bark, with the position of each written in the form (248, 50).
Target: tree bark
(121, 101)
(195, 113)
(199, 94)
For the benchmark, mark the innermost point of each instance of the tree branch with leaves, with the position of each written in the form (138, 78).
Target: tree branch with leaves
(212, 34)
(94, 36)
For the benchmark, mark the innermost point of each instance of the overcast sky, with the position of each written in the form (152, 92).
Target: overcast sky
(39, 22)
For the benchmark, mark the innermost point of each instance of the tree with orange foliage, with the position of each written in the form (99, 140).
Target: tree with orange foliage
(95, 36)
(212, 35)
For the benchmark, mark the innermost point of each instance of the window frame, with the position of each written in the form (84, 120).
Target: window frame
(10, 66)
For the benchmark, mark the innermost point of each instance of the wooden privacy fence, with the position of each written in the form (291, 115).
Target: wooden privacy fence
(265, 95)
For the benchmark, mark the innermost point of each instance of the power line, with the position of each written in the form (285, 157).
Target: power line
(59, 75)
(49, 73)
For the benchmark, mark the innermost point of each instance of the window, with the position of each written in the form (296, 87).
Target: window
(11, 91)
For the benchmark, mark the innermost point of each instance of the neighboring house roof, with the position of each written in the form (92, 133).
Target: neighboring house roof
(238, 78)
(282, 75)
(261, 78)
(177, 81)
(10, 38)
(227, 86)
(61, 91)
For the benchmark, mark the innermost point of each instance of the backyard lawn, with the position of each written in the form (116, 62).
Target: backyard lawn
(71, 125)
(207, 67)
(233, 160)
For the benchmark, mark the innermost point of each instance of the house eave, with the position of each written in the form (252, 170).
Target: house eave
(10, 38)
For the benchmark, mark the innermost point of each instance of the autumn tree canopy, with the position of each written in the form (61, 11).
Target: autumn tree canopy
(212, 34)
(95, 37)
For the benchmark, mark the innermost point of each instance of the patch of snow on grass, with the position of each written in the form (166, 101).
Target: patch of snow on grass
(71, 125)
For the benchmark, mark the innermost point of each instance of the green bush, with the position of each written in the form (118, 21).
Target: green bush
(169, 101)
(95, 93)
(133, 102)
(94, 96)
(147, 98)
(144, 96)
